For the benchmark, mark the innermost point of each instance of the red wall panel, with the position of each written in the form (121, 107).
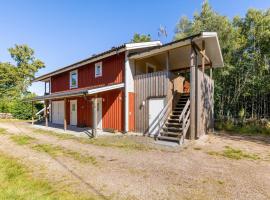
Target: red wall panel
(112, 73)
(112, 110)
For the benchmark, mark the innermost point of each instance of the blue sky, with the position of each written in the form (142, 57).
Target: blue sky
(62, 32)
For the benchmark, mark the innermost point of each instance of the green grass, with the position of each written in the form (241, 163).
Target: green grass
(235, 154)
(17, 183)
(123, 142)
(22, 139)
(60, 151)
(3, 131)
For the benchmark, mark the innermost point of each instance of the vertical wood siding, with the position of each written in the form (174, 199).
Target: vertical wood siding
(205, 102)
(112, 73)
(112, 110)
(155, 84)
(131, 120)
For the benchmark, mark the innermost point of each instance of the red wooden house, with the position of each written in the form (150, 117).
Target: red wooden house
(159, 90)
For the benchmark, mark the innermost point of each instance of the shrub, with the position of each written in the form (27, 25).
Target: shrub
(22, 110)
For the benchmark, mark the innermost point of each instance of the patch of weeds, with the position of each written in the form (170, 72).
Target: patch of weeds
(123, 142)
(213, 153)
(238, 154)
(22, 139)
(17, 183)
(197, 148)
(3, 131)
(119, 142)
(220, 182)
(60, 151)
(59, 135)
(235, 154)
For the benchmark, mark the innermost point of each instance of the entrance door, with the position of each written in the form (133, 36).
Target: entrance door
(155, 107)
(73, 112)
(58, 112)
(99, 113)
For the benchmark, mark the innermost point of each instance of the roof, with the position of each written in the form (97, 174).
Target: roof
(78, 92)
(94, 58)
(212, 47)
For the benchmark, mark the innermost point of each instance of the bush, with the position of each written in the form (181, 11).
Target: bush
(22, 110)
(249, 127)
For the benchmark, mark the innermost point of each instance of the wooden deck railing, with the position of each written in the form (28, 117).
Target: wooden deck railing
(185, 119)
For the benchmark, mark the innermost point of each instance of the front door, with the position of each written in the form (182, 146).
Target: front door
(155, 107)
(73, 112)
(99, 113)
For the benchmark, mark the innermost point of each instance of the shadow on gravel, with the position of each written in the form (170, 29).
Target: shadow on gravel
(259, 139)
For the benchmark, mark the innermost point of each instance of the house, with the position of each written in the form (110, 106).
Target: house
(158, 90)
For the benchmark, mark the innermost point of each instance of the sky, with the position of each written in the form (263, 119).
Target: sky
(63, 32)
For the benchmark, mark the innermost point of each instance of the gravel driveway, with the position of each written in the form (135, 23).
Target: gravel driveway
(197, 171)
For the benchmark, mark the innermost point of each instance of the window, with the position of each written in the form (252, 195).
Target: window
(47, 87)
(98, 69)
(73, 79)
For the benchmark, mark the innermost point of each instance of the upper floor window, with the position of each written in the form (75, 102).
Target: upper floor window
(47, 87)
(98, 69)
(73, 80)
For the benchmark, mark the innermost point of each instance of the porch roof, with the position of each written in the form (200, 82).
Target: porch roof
(78, 92)
(180, 50)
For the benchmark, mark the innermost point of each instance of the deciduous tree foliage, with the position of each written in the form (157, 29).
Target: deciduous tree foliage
(141, 38)
(16, 78)
(242, 87)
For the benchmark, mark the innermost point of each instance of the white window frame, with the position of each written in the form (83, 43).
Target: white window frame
(96, 65)
(152, 66)
(70, 79)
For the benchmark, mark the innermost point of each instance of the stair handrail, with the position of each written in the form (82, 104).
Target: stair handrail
(164, 113)
(184, 118)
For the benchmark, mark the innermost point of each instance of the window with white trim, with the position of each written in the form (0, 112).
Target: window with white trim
(98, 69)
(73, 80)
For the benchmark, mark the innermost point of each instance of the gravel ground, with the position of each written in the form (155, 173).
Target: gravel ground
(159, 173)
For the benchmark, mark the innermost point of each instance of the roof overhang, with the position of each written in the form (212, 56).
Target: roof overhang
(95, 58)
(79, 92)
(212, 47)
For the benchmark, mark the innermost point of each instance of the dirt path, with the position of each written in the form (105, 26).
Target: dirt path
(189, 173)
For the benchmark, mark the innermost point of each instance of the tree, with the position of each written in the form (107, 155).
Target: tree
(141, 38)
(245, 43)
(15, 79)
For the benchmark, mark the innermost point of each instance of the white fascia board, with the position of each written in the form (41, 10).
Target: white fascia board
(106, 88)
(139, 45)
(160, 50)
(215, 37)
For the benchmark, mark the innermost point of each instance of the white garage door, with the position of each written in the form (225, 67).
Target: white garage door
(58, 112)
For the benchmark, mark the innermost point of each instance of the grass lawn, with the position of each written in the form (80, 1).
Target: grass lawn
(17, 183)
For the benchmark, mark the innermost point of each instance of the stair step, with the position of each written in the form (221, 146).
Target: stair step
(168, 138)
(172, 129)
(172, 134)
(173, 124)
(173, 120)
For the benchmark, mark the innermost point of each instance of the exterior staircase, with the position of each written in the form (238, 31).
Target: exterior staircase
(177, 124)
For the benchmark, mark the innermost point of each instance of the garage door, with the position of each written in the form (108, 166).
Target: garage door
(58, 112)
